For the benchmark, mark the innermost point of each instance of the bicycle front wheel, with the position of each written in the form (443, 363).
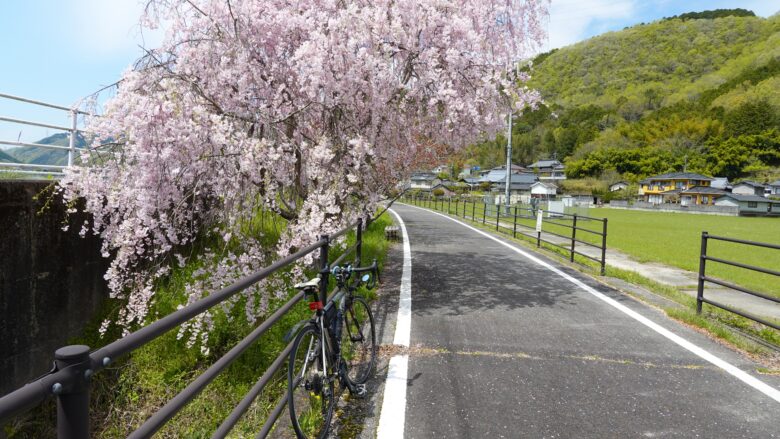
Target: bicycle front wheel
(358, 341)
(310, 388)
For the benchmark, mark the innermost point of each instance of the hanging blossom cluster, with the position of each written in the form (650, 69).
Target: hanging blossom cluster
(310, 109)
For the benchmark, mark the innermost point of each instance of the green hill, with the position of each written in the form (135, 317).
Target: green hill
(7, 158)
(697, 92)
(46, 156)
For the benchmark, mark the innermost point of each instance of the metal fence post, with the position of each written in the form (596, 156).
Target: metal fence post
(573, 237)
(498, 215)
(449, 200)
(359, 241)
(72, 141)
(538, 233)
(702, 269)
(604, 249)
(514, 225)
(473, 209)
(484, 211)
(73, 396)
(324, 269)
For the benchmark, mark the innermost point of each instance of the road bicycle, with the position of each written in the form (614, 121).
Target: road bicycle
(335, 349)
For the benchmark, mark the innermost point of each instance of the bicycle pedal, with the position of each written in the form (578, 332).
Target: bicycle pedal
(360, 390)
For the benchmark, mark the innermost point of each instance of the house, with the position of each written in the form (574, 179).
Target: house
(750, 204)
(470, 182)
(544, 190)
(548, 170)
(720, 183)
(441, 168)
(774, 188)
(700, 195)
(667, 187)
(497, 175)
(445, 186)
(519, 185)
(423, 181)
(749, 188)
(619, 186)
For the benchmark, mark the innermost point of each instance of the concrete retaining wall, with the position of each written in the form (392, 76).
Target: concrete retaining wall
(51, 282)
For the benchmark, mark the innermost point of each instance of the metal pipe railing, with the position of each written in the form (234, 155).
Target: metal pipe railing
(513, 217)
(703, 278)
(75, 365)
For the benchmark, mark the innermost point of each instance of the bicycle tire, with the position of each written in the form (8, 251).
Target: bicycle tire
(358, 341)
(310, 390)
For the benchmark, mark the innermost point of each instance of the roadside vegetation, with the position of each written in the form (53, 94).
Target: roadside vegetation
(127, 393)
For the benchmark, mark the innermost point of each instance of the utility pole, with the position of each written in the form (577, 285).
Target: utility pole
(508, 160)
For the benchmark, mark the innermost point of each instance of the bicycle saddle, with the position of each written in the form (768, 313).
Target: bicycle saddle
(312, 283)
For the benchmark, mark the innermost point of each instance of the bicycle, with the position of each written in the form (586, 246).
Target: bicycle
(337, 346)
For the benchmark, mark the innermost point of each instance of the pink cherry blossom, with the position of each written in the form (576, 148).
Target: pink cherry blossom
(309, 109)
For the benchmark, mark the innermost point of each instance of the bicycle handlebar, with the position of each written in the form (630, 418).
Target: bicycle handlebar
(344, 273)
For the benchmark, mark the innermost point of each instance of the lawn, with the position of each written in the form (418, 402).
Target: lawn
(675, 239)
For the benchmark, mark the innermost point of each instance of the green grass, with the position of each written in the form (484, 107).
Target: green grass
(675, 239)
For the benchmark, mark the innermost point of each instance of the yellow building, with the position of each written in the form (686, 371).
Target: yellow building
(666, 187)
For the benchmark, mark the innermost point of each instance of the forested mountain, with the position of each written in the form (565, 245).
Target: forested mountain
(46, 156)
(7, 158)
(683, 92)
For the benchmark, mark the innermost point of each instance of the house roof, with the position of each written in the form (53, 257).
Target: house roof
(619, 182)
(423, 176)
(519, 186)
(497, 175)
(546, 164)
(470, 180)
(515, 168)
(545, 185)
(739, 197)
(678, 176)
(704, 190)
(750, 183)
(776, 183)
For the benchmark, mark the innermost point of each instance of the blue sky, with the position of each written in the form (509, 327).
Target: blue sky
(60, 51)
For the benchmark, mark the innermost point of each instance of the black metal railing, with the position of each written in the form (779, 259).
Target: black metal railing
(528, 222)
(75, 365)
(704, 257)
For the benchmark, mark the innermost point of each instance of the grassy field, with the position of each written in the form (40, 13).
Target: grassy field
(675, 239)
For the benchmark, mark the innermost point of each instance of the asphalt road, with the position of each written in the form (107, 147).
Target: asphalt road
(503, 347)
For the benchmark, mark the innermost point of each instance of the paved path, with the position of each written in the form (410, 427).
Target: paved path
(501, 346)
(684, 280)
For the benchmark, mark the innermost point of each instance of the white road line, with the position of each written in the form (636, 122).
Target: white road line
(403, 325)
(743, 376)
(393, 417)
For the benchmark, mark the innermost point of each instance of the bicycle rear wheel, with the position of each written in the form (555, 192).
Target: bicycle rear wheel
(358, 341)
(310, 389)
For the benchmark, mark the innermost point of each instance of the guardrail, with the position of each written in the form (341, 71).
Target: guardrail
(529, 223)
(69, 381)
(704, 257)
(42, 169)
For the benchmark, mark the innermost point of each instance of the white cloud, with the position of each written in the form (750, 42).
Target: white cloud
(570, 19)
